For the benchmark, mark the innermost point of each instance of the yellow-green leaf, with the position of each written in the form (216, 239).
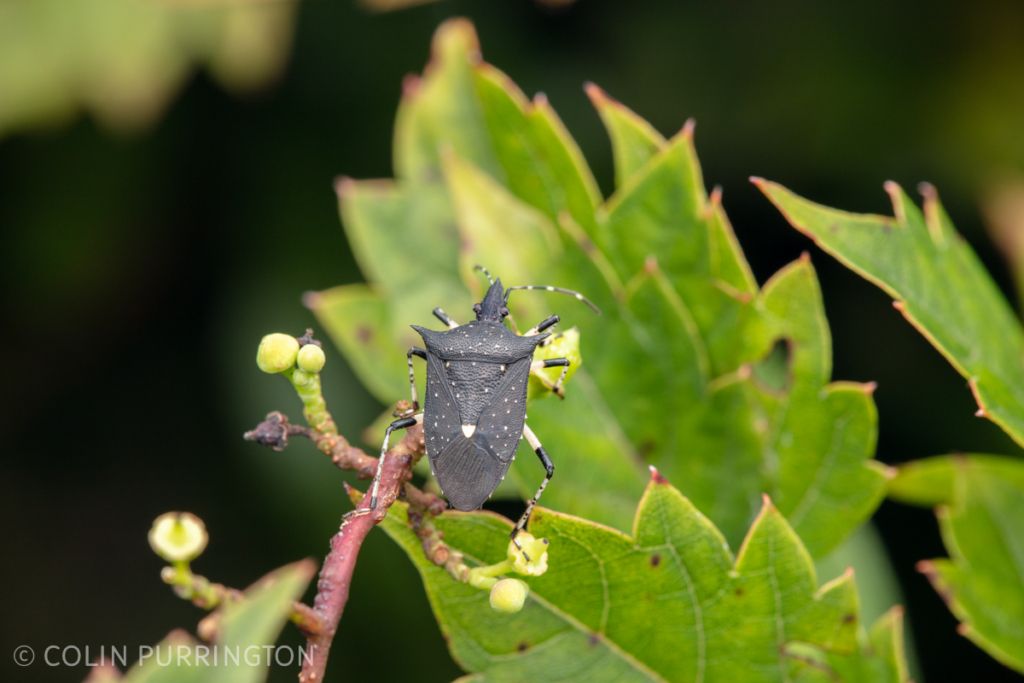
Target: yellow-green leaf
(983, 579)
(720, 617)
(939, 285)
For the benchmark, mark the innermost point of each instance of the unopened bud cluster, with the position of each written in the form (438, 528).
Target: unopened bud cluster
(279, 353)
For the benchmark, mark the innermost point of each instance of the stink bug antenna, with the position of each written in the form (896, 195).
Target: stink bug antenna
(487, 273)
(559, 290)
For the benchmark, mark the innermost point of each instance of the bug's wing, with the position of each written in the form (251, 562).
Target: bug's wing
(440, 409)
(500, 425)
(468, 473)
(469, 469)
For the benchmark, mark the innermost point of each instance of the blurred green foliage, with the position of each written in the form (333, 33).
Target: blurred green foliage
(123, 60)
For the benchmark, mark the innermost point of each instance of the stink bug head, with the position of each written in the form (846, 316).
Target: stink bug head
(492, 308)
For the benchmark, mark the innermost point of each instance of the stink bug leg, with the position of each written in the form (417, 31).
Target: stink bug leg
(549, 471)
(556, 386)
(400, 423)
(421, 353)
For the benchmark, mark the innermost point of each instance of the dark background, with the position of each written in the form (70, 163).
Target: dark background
(140, 272)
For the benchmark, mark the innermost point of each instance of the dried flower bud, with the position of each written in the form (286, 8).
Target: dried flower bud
(277, 353)
(178, 536)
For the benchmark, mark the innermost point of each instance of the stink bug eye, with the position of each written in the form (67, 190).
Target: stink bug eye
(474, 412)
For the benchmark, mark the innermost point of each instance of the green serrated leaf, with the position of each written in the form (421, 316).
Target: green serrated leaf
(720, 617)
(819, 438)
(674, 366)
(634, 140)
(939, 284)
(529, 135)
(983, 579)
(396, 259)
(439, 111)
(879, 659)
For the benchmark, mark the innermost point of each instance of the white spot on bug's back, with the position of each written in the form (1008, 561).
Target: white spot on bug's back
(468, 430)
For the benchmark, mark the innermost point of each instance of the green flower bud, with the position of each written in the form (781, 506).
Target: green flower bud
(536, 549)
(311, 358)
(178, 536)
(509, 595)
(277, 353)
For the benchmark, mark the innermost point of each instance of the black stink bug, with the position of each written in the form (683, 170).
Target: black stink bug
(474, 413)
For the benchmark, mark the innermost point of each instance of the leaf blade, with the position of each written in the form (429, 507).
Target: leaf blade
(720, 617)
(940, 286)
(983, 581)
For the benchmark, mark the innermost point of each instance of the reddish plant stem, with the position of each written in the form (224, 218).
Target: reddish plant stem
(336, 573)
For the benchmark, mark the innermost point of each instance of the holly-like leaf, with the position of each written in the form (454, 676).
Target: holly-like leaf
(634, 140)
(677, 369)
(981, 515)
(246, 629)
(812, 454)
(827, 430)
(939, 285)
(720, 617)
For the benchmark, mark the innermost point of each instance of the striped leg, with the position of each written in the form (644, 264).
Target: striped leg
(549, 471)
(414, 351)
(401, 423)
(549, 321)
(556, 387)
(445, 318)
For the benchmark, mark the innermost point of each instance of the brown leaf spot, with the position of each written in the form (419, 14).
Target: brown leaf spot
(655, 560)
(523, 646)
(364, 334)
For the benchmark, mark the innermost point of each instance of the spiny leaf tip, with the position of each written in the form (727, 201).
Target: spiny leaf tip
(656, 477)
